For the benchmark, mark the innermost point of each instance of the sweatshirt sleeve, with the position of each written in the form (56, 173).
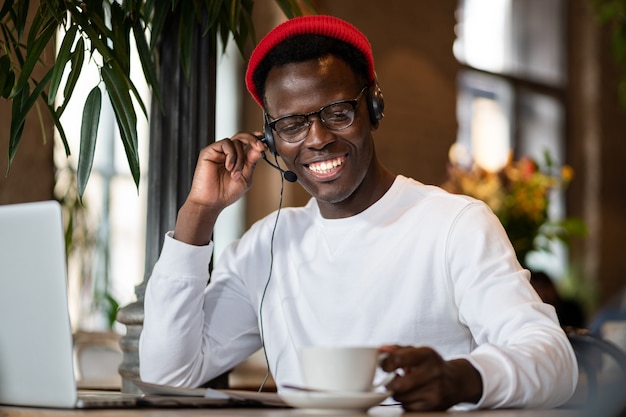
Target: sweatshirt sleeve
(172, 327)
(522, 353)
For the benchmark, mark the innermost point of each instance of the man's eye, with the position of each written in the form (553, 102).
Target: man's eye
(337, 115)
(291, 126)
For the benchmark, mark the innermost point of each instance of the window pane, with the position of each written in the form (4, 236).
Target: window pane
(540, 125)
(515, 37)
(485, 120)
(538, 36)
(483, 34)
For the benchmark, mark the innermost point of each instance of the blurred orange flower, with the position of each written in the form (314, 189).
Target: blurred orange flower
(519, 194)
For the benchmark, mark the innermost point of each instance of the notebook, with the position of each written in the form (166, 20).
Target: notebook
(36, 345)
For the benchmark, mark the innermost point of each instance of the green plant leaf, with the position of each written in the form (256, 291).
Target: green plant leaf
(44, 135)
(185, 37)
(34, 52)
(88, 137)
(63, 57)
(147, 63)
(8, 84)
(22, 103)
(108, 55)
(134, 7)
(142, 106)
(225, 37)
(112, 307)
(77, 60)
(120, 35)
(20, 18)
(213, 14)
(117, 88)
(36, 27)
(234, 16)
(58, 10)
(198, 10)
(57, 123)
(291, 8)
(148, 8)
(17, 126)
(96, 19)
(158, 21)
(246, 27)
(93, 35)
(12, 44)
(7, 78)
(8, 4)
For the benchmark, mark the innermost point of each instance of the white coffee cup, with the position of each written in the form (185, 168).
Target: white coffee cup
(346, 369)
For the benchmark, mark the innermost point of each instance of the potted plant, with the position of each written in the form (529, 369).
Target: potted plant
(105, 27)
(519, 194)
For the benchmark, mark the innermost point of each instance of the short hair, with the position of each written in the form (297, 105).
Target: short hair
(306, 38)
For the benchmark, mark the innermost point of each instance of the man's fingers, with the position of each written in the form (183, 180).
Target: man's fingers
(237, 153)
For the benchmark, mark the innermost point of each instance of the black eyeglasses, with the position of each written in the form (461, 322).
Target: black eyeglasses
(334, 116)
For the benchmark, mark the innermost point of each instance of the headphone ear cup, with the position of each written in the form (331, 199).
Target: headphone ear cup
(269, 137)
(375, 103)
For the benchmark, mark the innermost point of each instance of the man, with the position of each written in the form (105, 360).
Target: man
(374, 258)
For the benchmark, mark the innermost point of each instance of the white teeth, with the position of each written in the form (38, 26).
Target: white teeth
(326, 166)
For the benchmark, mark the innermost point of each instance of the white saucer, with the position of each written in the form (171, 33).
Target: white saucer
(331, 401)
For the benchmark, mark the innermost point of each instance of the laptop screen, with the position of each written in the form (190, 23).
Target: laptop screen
(36, 363)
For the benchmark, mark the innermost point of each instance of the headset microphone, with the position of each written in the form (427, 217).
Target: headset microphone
(287, 175)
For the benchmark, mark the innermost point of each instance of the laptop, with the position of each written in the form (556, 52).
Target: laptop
(36, 344)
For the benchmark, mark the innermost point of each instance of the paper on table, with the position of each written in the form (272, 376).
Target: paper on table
(211, 396)
(156, 389)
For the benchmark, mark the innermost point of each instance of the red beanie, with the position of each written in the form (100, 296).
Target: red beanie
(316, 25)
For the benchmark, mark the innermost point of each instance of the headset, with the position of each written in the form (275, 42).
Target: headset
(375, 108)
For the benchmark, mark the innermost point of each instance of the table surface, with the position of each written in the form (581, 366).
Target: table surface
(571, 409)
(6, 411)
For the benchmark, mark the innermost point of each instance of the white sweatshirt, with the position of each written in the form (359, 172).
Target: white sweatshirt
(420, 267)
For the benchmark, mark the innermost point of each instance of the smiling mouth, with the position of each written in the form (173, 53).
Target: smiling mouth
(326, 167)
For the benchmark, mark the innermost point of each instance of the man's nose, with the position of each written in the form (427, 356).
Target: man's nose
(319, 135)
